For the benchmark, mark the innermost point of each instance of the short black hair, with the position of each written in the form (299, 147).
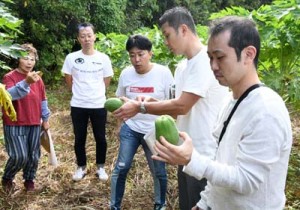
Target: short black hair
(176, 17)
(243, 33)
(84, 25)
(138, 41)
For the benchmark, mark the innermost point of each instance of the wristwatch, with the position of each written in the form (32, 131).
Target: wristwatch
(143, 108)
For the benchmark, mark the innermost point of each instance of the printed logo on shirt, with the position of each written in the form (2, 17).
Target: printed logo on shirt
(79, 61)
(87, 71)
(141, 89)
(97, 63)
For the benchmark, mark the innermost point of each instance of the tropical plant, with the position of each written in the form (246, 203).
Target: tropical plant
(52, 26)
(279, 27)
(142, 14)
(113, 45)
(9, 30)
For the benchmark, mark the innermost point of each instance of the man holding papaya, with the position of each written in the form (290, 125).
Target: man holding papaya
(253, 129)
(135, 80)
(198, 96)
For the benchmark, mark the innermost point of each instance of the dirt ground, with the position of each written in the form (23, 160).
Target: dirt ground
(55, 188)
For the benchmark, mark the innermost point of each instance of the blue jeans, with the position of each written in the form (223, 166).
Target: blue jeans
(129, 143)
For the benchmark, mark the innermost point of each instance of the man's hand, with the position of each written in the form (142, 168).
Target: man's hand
(129, 109)
(146, 99)
(175, 155)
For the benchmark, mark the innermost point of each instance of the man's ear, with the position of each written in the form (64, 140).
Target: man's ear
(250, 53)
(150, 53)
(184, 28)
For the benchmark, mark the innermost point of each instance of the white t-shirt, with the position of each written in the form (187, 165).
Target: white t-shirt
(155, 83)
(88, 73)
(252, 159)
(195, 76)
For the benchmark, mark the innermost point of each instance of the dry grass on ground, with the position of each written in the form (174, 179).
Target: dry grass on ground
(57, 191)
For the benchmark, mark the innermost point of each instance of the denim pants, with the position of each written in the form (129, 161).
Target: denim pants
(129, 143)
(80, 120)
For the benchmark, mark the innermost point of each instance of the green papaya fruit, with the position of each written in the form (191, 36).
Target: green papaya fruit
(165, 126)
(112, 104)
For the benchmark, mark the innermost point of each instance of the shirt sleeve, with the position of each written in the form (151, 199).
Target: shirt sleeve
(199, 69)
(67, 67)
(255, 157)
(203, 204)
(20, 90)
(169, 81)
(121, 89)
(197, 166)
(108, 71)
(45, 110)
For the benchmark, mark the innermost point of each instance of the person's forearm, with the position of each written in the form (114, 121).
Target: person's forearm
(107, 81)
(173, 107)
(69, 81)
(45, 110)
(20, 90)
(170, 107)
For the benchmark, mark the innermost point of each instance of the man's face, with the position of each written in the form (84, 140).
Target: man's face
(223, 60)
(140, 59)
(173, 40)
(86, 37)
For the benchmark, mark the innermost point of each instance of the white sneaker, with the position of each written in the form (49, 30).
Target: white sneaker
(102, 174)
(79, 174)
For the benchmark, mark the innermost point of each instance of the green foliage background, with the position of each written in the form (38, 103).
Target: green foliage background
(51, 27)
(279, 27)
(9, 30)
(278, 24)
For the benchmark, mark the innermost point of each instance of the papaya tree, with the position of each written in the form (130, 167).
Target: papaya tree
(113, 45)
(279, 27)
(9, 30)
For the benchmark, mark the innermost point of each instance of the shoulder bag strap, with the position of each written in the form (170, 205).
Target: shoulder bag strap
(245, 94)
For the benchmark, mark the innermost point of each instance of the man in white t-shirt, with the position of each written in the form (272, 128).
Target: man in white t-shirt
(147, 79)
(88, 74)
(198, 96)
(250, 168)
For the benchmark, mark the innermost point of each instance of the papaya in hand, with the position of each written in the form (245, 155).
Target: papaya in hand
(165, 126)
(112, 104)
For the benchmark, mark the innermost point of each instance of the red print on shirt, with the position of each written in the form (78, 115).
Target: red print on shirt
(141, 89)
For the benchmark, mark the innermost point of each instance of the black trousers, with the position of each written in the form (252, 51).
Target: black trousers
(189, 189)
(80, 120)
